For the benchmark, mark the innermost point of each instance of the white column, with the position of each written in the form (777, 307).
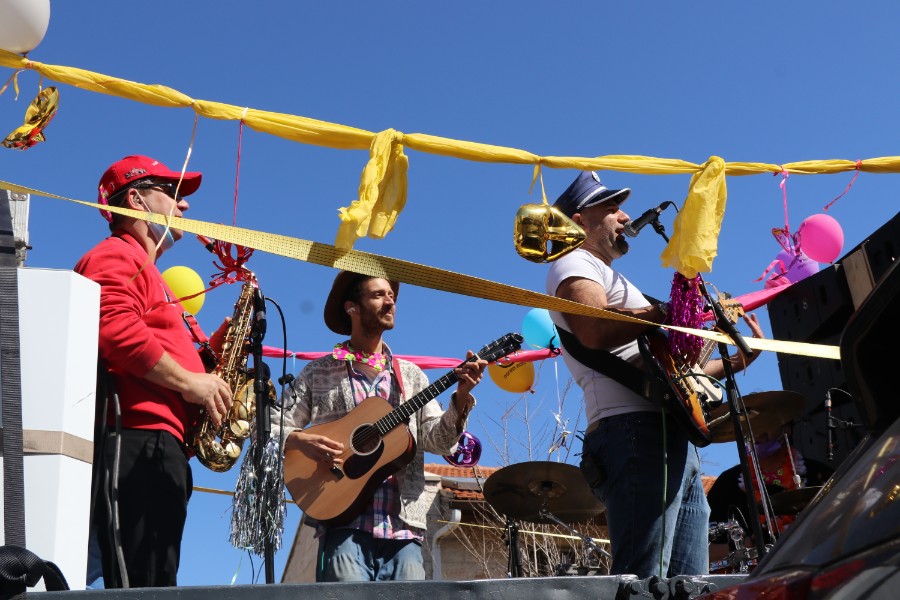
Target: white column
(58, 329)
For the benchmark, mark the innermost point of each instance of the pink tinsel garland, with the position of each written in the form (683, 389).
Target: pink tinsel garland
(685, 310)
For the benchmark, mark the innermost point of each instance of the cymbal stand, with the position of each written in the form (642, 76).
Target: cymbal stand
(586, 540)
(514, 566)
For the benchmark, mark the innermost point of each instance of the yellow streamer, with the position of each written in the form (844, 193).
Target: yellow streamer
(382, 192)
(411, 273)
(385, 174)
(696, 231)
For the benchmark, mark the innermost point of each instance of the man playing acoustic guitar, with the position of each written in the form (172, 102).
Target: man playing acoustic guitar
(626, 443)
(380, 537)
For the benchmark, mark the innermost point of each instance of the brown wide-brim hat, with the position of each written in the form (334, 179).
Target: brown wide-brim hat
(336, 318)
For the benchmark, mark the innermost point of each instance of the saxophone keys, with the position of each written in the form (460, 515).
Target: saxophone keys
(232, 450)
(240, 428)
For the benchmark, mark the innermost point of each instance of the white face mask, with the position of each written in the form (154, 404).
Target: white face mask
(158, 231)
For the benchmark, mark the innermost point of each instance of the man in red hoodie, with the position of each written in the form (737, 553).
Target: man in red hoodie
(155, 379)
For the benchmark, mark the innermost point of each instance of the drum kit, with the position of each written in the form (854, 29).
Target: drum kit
(542, 492)
(766, 411)
(557, 493)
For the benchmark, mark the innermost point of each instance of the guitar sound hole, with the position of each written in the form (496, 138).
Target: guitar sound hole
(365, 439)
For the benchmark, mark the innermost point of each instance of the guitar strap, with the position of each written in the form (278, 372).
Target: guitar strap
(395, 366)
(606, 362)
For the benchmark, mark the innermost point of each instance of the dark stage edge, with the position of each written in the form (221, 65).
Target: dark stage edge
(564, 588)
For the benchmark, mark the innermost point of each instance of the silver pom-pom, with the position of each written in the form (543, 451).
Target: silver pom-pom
(257, 511)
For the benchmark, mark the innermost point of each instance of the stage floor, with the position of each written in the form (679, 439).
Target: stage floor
(552, 588)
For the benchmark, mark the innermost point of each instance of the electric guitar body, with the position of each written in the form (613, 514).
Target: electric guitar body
(685, 390)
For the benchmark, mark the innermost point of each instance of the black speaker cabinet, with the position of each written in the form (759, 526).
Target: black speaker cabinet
(817, 310)
(812, 309)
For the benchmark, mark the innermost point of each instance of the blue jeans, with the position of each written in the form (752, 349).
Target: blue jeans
(354, 555)
(629, 449)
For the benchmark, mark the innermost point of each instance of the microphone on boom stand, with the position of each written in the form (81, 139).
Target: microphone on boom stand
(633, 228)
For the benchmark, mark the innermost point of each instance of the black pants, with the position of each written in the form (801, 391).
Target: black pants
(153, 488)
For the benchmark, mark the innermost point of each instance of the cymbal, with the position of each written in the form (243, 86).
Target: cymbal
(791, 502)
(521, 490)
(767, 411)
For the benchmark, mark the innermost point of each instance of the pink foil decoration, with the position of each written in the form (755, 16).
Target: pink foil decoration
(685, 310)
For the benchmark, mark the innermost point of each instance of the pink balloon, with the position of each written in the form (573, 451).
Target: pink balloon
(821, 238)
(790, 270)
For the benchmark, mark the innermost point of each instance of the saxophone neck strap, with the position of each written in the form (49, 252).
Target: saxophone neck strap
(207, 354)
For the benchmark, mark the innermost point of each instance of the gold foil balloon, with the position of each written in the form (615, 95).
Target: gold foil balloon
(37, 117)
(539, 224)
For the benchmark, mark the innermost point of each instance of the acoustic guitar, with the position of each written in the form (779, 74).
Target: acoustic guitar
(377, 443)
(684, 389)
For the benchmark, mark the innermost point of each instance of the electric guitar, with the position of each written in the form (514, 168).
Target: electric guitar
(377, 444)
(684, 389)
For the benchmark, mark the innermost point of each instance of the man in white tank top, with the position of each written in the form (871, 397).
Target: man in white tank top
(623, 449)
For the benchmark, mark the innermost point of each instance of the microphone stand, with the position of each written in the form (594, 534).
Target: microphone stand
(514, 565)
(586, 540)
(724, 324)
(263, 429)
(738, 409)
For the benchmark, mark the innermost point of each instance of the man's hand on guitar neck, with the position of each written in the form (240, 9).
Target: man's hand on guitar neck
(739, 361)
(469, 374)
(317, 447)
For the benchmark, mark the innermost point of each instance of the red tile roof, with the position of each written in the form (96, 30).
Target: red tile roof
(477, 472)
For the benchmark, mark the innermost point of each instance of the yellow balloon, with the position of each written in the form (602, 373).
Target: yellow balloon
(185, 282)
(515, 377)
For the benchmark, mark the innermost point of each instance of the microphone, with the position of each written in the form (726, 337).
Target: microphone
(259, 313)
(829, 426)
(632, 228)
(207, 243)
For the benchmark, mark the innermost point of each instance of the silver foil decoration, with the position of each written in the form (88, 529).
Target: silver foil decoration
(257, 510)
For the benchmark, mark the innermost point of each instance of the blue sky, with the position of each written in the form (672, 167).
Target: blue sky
(766, 81)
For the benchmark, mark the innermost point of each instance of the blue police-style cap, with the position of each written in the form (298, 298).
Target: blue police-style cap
(587, 191)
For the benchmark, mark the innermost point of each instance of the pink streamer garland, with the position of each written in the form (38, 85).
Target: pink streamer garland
(423, 362)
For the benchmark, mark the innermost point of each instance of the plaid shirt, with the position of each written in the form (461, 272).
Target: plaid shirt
(381, 515)
(322, 392)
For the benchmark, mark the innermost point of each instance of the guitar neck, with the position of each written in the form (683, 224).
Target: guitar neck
(706, 352)
(733, 311)
(402, 413)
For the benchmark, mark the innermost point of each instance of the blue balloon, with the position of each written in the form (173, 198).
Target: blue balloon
(538, 329)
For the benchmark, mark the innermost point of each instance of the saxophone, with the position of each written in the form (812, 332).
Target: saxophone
(218, 448)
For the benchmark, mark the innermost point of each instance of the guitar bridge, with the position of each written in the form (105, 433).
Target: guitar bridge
(337, 472)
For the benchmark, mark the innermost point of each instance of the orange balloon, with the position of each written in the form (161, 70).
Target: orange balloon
(515, 377)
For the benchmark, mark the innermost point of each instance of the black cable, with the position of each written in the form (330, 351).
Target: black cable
(285, 378)
(114, 483)
(106, 482)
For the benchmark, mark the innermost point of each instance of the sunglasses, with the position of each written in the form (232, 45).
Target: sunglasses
(166, 187)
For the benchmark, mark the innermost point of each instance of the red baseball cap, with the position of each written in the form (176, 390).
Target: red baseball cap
(134, 168)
